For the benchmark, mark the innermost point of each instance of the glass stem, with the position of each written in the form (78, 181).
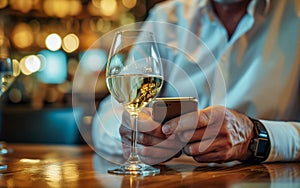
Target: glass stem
(133, 150)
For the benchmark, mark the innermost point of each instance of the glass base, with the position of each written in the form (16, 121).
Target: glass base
(139, 169)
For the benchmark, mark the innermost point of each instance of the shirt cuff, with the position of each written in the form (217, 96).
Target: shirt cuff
(284, 139)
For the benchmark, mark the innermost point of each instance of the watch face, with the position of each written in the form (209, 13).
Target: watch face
(262, 149)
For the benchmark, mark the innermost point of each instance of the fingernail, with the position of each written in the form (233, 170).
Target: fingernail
(166, 129)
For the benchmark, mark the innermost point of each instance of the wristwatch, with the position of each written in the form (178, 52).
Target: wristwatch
(259, 144)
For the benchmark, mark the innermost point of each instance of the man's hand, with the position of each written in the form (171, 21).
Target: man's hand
(220, 135)
(153, 145)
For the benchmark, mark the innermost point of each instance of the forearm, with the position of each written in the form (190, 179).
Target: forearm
(285, 140)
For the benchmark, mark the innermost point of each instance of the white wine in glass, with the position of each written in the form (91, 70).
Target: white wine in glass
(134, 77)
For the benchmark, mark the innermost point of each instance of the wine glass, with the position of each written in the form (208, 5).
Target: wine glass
(134, 77)
(6, 65)
(7, 78)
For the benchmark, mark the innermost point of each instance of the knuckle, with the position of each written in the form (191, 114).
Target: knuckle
(227, 145)
(190, 150)
(204, 116)
(143, 139)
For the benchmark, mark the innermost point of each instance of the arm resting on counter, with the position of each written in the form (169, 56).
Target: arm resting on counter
(285, 140)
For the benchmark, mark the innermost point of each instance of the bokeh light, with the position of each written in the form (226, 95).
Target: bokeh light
(127, 18)
(22, 35)
(62, 8)
(28, 64)
(68, 27)
(54, 69)
(32, 63)
(70, 43)
(23, 66)
(108, 7)
(16, 68)
(53, 42)
(93, 60)
(129, 3)
(3, 3)
(15, 95)
(23, 6)
(75, 7)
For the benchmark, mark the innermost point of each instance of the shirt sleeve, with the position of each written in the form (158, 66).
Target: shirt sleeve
(285, 140)
(105, 130)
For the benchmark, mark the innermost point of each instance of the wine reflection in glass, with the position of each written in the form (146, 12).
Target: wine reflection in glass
(6, 74)
(134, 77)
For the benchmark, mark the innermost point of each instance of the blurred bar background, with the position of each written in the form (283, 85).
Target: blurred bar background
(48, 38)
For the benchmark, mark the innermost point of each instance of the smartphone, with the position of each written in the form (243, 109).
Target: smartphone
(165, 109)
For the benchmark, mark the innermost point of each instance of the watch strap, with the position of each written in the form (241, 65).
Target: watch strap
(259, 144)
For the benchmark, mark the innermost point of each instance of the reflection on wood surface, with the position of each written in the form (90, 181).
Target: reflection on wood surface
(79, 166)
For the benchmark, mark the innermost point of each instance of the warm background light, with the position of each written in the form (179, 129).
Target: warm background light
(70, 43)
(62, 8)
(32, 63)
(108, 7)
(49, 37)
(22, 35)
(53, 42)
(16, 68)
(21, 5)
(23, 66)
(129, 3)
(3, 3)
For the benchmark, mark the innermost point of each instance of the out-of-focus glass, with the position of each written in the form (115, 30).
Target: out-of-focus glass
(6, 65)
(6, 74)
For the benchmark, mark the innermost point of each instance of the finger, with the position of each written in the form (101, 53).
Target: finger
(148, 140)
(184, 122)
(157, 152)
(147, 125)
(192, 121)
(152, 161)
(143, 138)
(154, 155)
(124, 130)
(215, 157)
(206, 146)
(200, 134)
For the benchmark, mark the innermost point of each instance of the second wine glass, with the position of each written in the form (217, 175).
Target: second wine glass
(6, 79)
(134, 77)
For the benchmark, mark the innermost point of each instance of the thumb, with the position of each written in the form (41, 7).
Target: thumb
(181, 123)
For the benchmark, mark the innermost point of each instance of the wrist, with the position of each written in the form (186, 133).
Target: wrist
(259, 145)
(247, 153)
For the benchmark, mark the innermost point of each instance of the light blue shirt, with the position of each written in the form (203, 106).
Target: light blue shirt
(256, 71)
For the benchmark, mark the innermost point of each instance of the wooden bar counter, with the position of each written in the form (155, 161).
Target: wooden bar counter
(79, 166)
